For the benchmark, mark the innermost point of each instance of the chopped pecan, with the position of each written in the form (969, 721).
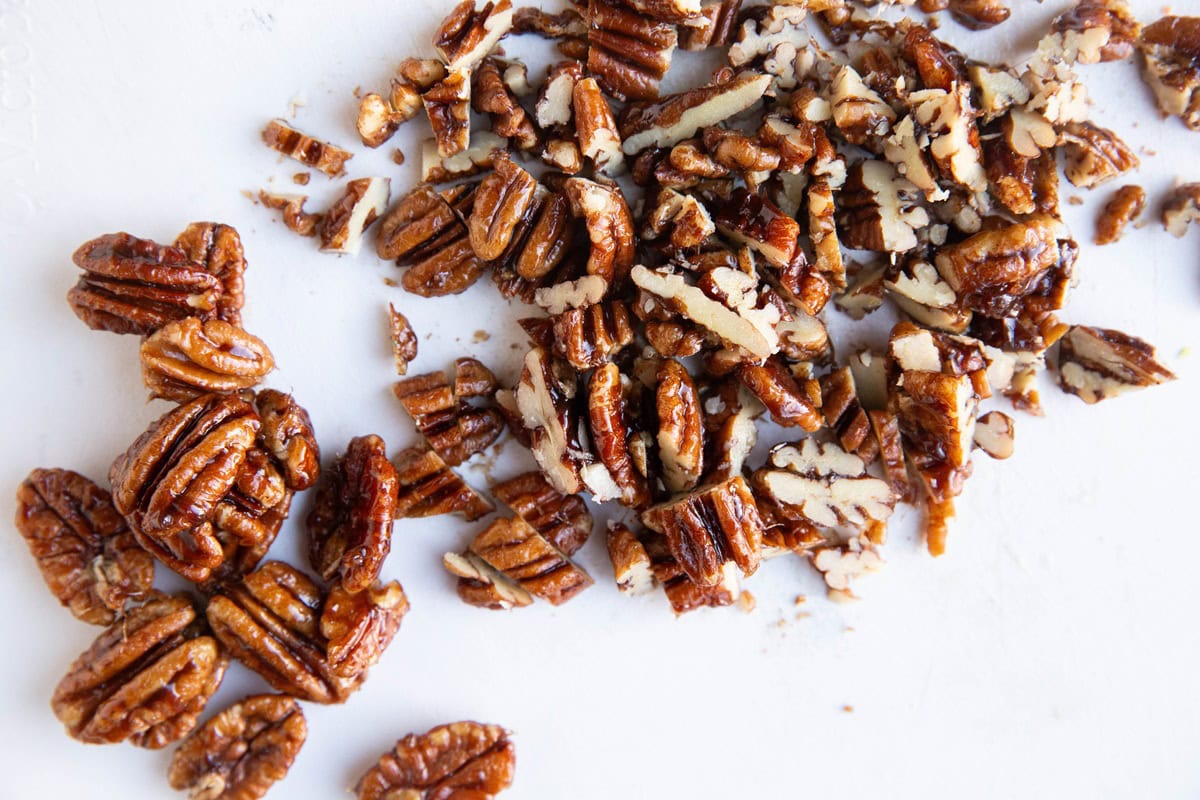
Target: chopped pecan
(87, 556)
(219, 248)
(479, 157)
(788, 403)
(1095, 154)
(739, 152)
(1096, 30)
(350, 525)
(342, 227)
(864, 294)
(1010, 176)
(998, 89)
(921, 293)
(609, 226)
(359, 626)
(709, 527)
(287, 434)
(379, 118)
(886, 429)
(689, 222)
(948, 120)
(939, 65)
(1181, 209)
(680, 427)
(628, 52)
(428, 487)
(448, 106)
(545, 396)
(404, 340)
(326, 157)
(994, 434)
(822, 231)
(505, 200)
(490, 95)
(858, 112)
(878, 209)
(632, 567)
(674, 339)
(115, 690)
(295, 218)
(672, 119)
(454, 428)
(191, 357)
(979, 14)
(731, 432)
(1125, 206)
(242, 751)
(471, 31)
(824, 484)
(610, 433)
(555, 107)
(846, 416)
(715, 27)
(567, 24)
(840, 566)
(685, 594)
(1098, 364)
(563, 520)
(575, 295)
(596, 128)
(132, 285)
(590, 336)
(482, 586)
(516, 550)
(451, 762)
(756, 222)
(771, 39)
(1171, 47)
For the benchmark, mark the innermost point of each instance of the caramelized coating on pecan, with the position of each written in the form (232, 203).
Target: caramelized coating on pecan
(471, 31)
(428, 487)
(683, 593)
(680, 427)
(191, 357)
(567, 24)
(287, 434)
(593, 335)
(596, 128)
(219, 248)
(979, 14)
(448, 106)
(609, 225)
(878, 209)
(756, 222)
(380, 117)
(87, 556)
(1125, 206)
(457, 761)
(515, 549)
(564, 520)
(1095, 155)
(825, 485)
(994, 434)
(293, 214)
(1098, 364)
(359, 626)
(715, 27)
(632, 567)
(628, 52)
(482, 586)
(350, 525)
(504, 202)
(242, 751)
(454, 428)
(248, 518)
(114, 691)
(1181, 209)
(490, 95)
(687, 219)
(544, 399)
(676, 117)
(427, 230)
(327, 158)
(549, 237)
(610, 432)
(787, 402)
(1171, 47)
(886, 429)
(1097, 30)
(132, 285)
(362, 202)
(404, 340)
(845, 415)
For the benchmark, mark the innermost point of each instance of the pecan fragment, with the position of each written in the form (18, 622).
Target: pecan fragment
(85, 552)
(596, 128)
(504, 202)
(459, 760)
(219, 248)
(879, 210)
(1098, 364)
(190, 357)
(295, 218)
(483, 151)
(715, 27)
(448, 106)
(480, 585)
(689, 222)
(590, 336)
(427, 231)
(680, 427)
(611, 436)
(454, 428)
(846, 416)
(1181, 209)
(471, 31)
(1171, 47)
(242, 751)
(351, 214)
(326, 157)
(404, 340)
(632, 567)
(676, 117)
(379, 118)
(628, 52)
(1125, 206)
(516, 550)
(788, 403)
(994, 433)
(1096, 30)
(287, 434)
(564, 520)
(428, 487)
(1095, 155)
(609, 225)
(359, 626)
(979, 14)
(544, 398)
(824, 484)
(490, 95)
(752, 220)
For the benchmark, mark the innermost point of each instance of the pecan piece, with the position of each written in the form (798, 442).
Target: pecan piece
(628, 52)
(459, 760)
(404, 340)
(680, 427)
(270, 621)
(687, 218)
(1098, 364)
(544, 398)
(242, 751)
(1171, 47)
(114, 691)
(359, 626)
(879, 210)
(132, 285)
(439, 409)
(1096, 30)
(505, 200)
(249, 517)
(87, 556)
(428, 232)
(1095, 155)
(287, 434)
(846, 416)
(825, 485)
(1181, 209)
(428, 487)
(756, 222)
(482, 586)
(471, 31)
(379, 118)
(979, 15)
(448, 106)
(219, 248)
(994, 434)
(490, 95)
(632, 567)
(715, 27)
(191, 357)
(479, 157)
(858, 111)
(563, 520)
(295, 218)
(609, 225)
(328, 158)
(670, 120)
(709, 527)
(1125, 206)
(350, 525)
(347, 219)
(596, 128)
(515, 549)
(590, 336)
(610, 436)
(789, 404)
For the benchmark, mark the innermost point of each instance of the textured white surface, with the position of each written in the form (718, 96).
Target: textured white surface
(1051, 653)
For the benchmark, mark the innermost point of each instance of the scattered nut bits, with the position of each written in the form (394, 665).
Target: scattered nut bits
(1181, 209)
(343, 224)
(515, 549)
(459, 760)
(1125, 206)
(328, 158)
(1098, 364)
(1171, 48)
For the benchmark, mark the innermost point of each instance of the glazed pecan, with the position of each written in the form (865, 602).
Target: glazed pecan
(270, 621)
(567, 24)
(715, 28)
(628, 52)
(771, 39)
(756, 222)
(709, 527)
(886, 429)
(249, 517)
(170, 481)
(729, 415)
(609, 225)
(132, 285)
(490, 95)
(115, 690)
(878, 209)
(994, 434)
(359, 626)
(362, 202)
(631, 563)
(380, 117)
(544, 241)
(979, 14)
(596, 128)
(1125, 206)
(471, 31)
(450, 762)
(1171, 47)
(670, 120)
(1096, 30)
(191, 357)
(403, 338)
(87, 556)
(858, 111)
(427, 231)
(479, 157)
(590, 336)
(1095, 154)
(563, 520)
(555, 109)
(482, 586)
(350, 525)
(242, 751)
(610, 433)
(688, 220)
(514, 548)
(219, 248)
(1098, 364)
(295, 218)
(939, 65)
(287, 434)
(788, 403)
(822, 230)
(1181, 209)
(448, 106)
(328, 158)
(505, 200)
(845, 415)
(440, 409)
(428, 488)
(680, 427)
(544, 399)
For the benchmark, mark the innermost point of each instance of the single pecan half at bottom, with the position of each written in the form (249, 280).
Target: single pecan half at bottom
(459, 761)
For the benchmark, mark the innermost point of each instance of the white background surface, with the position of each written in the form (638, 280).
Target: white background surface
(1051, 653)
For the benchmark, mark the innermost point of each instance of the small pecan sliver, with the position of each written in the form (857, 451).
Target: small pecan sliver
(242, 751)
(563, 519)
(350, 526)
(404, 340)
(459, 761)
(219, 248)
(471, 31)
(1125, 206)
(287, 434)
(680, 427)
(515, 549)
(115, 690)
(359, 627)
(191, 357)
(291, 208)
(610, 435)
(132, 285)
(480, 585)
(270, 621)
(709, 527)
(88, 557)
(428, 487)
(327, 158)
(504, 202)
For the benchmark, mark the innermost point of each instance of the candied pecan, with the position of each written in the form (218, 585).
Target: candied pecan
(680, 427)
(439, 409)
(191, 357)
(590, 336)
(1095, 30)
(555, 109)
(439, 250)
(676, 117)
(687, 218)
(490, 95)
(351, 214)
(287, 434)
(710, 526)
(673, 339)
(87, 556)
(1010, 176)
(843, 564)
(845, 415)
(859, 113)
(294, 216)
(740, 152)
(428, 487)
(886, 429)
(632, 567)
(421, 223)
(1095, 154)
(1181, 209)
(1098, 364)
(459, 760)
(979, 14)
(484, 149)
(269, 620)
(219, 248)
(756, 222)
(921, 293)
(404, 340)
(1125, 206)
(994, 434)
(482, 586)
(471, 31)
(514, 548)
(685, 594)
(596, 128)
(939, 65)
(715, 27)
(563, 520)
(610, 436)
(550, 235)
(115, 690)
(249, 517)
(878, 209)
(628, 52)
(1171, 47)
(544, 398)
(448, 106)
(771, 38)
(326, 157)
(359, 626)
(350, 525)
(242, 751)
(824, 484)
(505, 200)
(786, 401)
(609, 226)
(379, 118)
(568, 23)
(132, 285)
(171, 479)
(822, 230)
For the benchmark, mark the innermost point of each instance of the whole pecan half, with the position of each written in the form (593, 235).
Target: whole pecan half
(219, 248)
(350, 526)
(87, 555)
(359, 626)
(628, 52)
(590, 336)
(270, 621)
(459, 761)
(190, 357)
(287, 434)
(610, 432)
(504, 202)
(427, 231)
(132, 285)
(115, 690)
(563, 519)
(428, 487)
(242, 751)
(680, 427)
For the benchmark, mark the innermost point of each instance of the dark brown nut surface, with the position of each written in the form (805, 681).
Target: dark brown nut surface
(591, 336)
(715, 28)
(191, 357)
(786, 401)
(1181, 209)
(514, 548)
(683, 593)
(1098, 364)
(628, 52)
(482, 586)
(170, 481)
(822, 230)
(455, 429)
(361, 203)
(328, 158)
(291, 208)
(550, 235)
(979, 14)
(505, 201)
(680, 427)
(1097, 30)
(247, 527)
(939, 65)
(359, 626)
(886, 429)
(404, 340)
(287, 434)
(1124, 207)
(242, 751)
(878, 209)
(709, 527)
(132, 285)
(1171, 47)
(544, 399)
(448, 106)
(610, 228)
(428, 487)
(758, 223)
(568, 23)
(87, 555)
(490, 95)
(350, 526)
(610, 436)
(115, 690)
(471, 31)
(270, 621)
(219, 248)
(459, 761)
(564, 520)
(685, 218)
(420, 224)
(1095, 154)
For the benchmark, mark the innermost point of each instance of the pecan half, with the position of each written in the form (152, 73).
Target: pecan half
(590, 336)
(454, 428)
(596, 128)
(788, 403)
(343, 225)
(515, 549)
(1181, 209)
(428, 487)
(628, 52)
(242, 751)
(1095, 154)
(250, 516)
(504, 202)
(350, 525)
(191, 357)
(88, 558)
(1125, 206)
(115, 690)
(680, 427)
(979, 14)
(287, 434)
(359, 626)
(564, 520)
(490, 95)
(825, 485)
(609, 225)
(1171, 47)
(471, 31)
(611, 435)
(404, 340)
(1098, 364)
(219, 248)
(459, 760)
(683, 593)
(326, 157)
(132, 285)
(448, 106)
(676, 117)
(427, 231)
